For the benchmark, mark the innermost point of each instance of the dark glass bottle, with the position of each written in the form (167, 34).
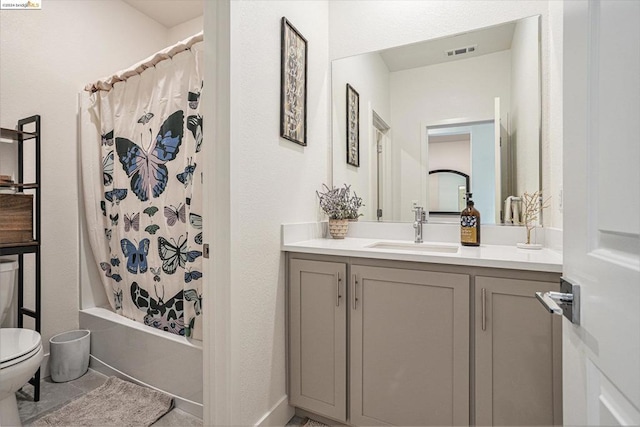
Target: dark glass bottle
(470, 224)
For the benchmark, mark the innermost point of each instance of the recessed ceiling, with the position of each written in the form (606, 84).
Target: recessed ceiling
(169, 12)
(486, 40)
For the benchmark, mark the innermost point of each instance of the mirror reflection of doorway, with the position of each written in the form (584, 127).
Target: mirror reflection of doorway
(383, 173)
(466, 148)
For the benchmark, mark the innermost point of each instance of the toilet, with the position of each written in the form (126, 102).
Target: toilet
(20, 351)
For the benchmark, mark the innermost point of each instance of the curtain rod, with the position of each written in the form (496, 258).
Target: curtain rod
(107, 83)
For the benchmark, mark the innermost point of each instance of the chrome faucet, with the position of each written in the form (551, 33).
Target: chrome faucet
(419, 220)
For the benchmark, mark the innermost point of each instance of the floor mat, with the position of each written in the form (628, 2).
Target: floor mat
(115, 403)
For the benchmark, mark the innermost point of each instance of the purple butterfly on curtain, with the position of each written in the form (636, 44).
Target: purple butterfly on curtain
(146, 168)
(174, 214)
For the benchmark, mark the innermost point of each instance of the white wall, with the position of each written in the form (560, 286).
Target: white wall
(525, 95)
(449, 154)
(184, 30)
(369, 76)
(458, 91)
(272, 181)
(552, 118)
(47, 58)
(382, 24)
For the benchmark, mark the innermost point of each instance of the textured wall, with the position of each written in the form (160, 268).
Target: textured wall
(388, 23)
(272, 181)
(47, 58)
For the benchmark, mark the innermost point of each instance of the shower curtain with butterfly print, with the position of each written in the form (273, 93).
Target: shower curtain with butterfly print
(148, 200)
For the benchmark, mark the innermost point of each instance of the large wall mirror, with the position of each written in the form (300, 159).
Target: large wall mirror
(469, 103)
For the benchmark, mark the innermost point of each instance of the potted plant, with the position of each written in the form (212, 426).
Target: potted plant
(353, 204)
(532, 205)
(337, 203)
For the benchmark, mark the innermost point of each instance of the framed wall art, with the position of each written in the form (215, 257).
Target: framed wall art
(353, 126)
(293, 84)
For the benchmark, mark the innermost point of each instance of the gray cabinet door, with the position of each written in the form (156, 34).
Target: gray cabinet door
(518, 358)
(409, 354)
(318, 337)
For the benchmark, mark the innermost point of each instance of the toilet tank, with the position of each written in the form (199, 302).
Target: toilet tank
(8, 269)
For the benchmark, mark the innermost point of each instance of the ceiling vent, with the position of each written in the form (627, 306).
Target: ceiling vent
(460, 50)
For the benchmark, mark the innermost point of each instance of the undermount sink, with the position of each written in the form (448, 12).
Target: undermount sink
(421, 247)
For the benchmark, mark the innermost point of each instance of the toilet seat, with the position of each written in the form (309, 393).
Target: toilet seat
(18, 345)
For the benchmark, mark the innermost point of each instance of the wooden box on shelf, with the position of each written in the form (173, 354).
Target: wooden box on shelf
(16, 218)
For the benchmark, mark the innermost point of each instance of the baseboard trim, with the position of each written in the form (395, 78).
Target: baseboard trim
(278, 415)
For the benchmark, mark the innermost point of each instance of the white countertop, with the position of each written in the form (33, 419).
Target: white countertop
(496, 256)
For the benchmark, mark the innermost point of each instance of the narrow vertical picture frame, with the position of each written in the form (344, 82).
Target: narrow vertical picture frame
(293, 84)
(353, 126)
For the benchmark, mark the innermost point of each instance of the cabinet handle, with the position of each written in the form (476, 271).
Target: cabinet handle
(484, 309)
(338, 296)
(355, 292)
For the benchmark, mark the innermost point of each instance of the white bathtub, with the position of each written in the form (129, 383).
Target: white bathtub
(147, 356)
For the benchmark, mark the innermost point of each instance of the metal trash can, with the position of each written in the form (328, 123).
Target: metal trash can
(69, 355)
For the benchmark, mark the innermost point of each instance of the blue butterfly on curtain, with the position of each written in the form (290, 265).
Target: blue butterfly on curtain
(168, 316)
(191, 275)
(146, 167)
(116, 195)
(136, 257)
(174, 255)
(187, 176)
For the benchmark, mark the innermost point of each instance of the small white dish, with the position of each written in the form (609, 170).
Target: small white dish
(529, 246)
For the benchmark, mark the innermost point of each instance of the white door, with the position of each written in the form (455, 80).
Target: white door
(601, 356)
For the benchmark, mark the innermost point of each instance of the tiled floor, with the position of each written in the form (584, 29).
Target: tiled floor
(296, 421)
(54, 395)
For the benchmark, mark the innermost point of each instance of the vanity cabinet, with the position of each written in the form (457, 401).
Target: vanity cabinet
(318, 337)
(518, 354)
(379, 342)
(409, 347)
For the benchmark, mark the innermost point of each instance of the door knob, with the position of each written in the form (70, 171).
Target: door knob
(566, 302)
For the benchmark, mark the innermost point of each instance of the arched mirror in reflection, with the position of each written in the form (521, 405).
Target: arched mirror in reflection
(447, 190)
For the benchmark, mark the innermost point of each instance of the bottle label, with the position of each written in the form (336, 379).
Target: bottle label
(468, 229)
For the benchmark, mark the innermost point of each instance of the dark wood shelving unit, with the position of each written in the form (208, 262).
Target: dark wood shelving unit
(28, 186)
(19, 136)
